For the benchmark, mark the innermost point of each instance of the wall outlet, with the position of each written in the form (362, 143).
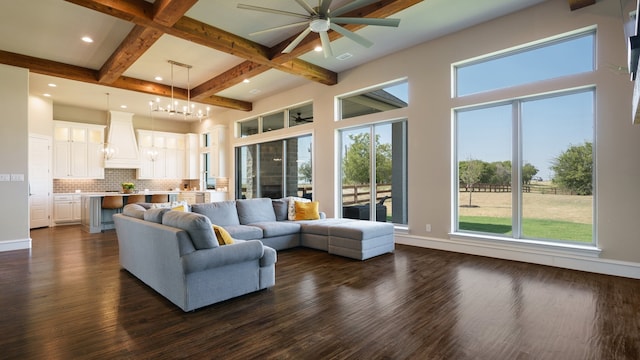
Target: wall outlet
(428, 227)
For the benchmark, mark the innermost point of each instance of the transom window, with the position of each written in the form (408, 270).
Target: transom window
(294, 116)
(378, 99)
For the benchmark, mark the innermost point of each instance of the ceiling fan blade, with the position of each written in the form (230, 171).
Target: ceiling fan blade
(279, 27)
(366, 21)
(351, 6)
(324, 7)
(351, 35)
(306, 6)
(296, 41)
(273, 11)
(326, 44)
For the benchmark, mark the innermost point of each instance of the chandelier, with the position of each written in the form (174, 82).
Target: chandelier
(187, 110)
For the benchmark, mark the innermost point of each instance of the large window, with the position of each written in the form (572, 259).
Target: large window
(374, 173)
(275, 169)
(524, 167)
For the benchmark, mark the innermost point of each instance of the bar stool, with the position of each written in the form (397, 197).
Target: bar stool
(159, 198)
(139, 198)
(110, 203)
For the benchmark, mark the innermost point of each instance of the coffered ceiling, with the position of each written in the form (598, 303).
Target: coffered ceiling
(133, 40)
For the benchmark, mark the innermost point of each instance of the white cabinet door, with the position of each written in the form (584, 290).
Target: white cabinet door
(63, 208)
(77, 151)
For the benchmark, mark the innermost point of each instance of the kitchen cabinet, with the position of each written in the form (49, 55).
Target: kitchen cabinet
(217, 149)
(67, 209)
(77, 151)
(192, 158)
(162, 155)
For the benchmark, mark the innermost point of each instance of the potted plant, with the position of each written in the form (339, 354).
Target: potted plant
(128, 187)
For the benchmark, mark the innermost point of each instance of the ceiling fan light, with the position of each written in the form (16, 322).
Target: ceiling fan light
(319, 25)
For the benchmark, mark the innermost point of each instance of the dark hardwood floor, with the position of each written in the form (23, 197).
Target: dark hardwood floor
(67, 298)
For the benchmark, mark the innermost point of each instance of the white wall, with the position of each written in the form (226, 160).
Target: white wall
(428, 68)
(14, 216)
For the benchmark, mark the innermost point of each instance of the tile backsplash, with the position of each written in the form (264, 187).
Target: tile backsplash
(113, 178)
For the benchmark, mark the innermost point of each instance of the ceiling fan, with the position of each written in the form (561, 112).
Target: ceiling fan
(300, 119)
(320, 19)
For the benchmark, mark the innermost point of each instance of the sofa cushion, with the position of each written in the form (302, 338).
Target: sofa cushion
(307, 210)
(280, 208)
(255, 210)
(277, 228)
(134, 210)
(223, 236)
(244, 232)
(197, 226)
(221, 213)
(155, 215)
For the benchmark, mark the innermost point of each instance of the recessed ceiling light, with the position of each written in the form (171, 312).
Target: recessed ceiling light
(123, 106)
(87, 39)
(246, 81)
(254, 91)
(46, 95)
(158, 78)
(318, 48)
(52, 85)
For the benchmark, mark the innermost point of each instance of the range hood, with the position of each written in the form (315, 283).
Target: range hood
(122, 139)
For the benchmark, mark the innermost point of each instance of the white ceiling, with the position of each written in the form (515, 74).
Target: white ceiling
(51, 29)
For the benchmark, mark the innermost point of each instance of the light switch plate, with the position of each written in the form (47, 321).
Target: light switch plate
(5, 177)
(17, 177)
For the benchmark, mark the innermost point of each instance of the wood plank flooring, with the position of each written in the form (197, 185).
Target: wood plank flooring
(67, 298)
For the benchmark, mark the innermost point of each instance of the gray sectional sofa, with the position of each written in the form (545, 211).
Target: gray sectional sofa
(177, 253)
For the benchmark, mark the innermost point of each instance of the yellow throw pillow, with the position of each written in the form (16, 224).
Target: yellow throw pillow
(179, 208)
(223, 236)
(307, 210)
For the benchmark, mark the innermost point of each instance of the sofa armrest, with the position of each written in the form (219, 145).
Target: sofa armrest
(204, 259)
(269, 258)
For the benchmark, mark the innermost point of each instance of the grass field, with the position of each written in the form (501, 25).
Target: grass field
(546, 216)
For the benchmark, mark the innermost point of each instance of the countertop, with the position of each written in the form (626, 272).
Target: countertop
(107, 193)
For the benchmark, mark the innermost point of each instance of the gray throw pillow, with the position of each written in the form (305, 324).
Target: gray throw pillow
(280, 207)
(155, 215)
(197, 226)
(221, 213)
(134, 210)
(255, 210)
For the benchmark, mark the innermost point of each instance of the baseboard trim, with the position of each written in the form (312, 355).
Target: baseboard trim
(11, 245)
(526, 254)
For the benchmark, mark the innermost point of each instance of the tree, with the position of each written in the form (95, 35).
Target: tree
(528, 172)
(305, 171)
(470, 174)
(573, 169)
(357, 160)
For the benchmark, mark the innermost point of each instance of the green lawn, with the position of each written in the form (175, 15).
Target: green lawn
(532, 228)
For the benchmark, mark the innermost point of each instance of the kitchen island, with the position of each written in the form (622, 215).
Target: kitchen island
(95, 219)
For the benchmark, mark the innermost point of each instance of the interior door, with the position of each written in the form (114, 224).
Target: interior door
(40, 181)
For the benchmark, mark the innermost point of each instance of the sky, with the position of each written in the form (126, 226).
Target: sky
(550, 125)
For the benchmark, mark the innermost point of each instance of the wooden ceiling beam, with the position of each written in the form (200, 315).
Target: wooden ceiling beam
(141, 38)
(231, 77)
(140, 13)
(579, 4)
(77, 73)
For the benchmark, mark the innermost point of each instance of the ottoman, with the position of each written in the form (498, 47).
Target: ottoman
(361, 239)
